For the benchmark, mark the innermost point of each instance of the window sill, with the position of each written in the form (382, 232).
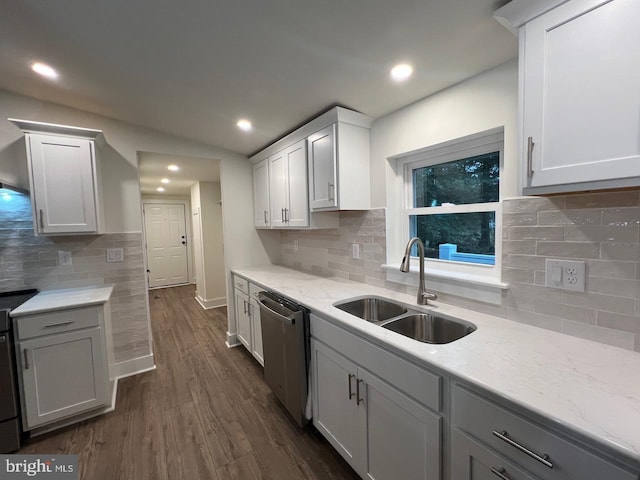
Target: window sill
(476, 287)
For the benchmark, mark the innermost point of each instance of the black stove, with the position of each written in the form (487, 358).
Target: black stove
(10, 425)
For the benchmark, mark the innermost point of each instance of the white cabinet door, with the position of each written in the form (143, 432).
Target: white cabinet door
(62, 178)
(63, 375)
(243, 320)
(335, 411)
(322, 169)
(471, 460)
(297, 213)
(261, 207)
(401, 437)
(580, 75)
(278, 188)
(256, 331)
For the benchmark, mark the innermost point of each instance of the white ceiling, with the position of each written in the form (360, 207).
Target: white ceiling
(193, 68)
(152, 167)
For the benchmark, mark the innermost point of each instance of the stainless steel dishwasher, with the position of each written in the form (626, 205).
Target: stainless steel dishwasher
(285, 338)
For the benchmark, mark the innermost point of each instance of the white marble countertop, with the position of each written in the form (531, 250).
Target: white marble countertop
(51, 300)
(591, 388)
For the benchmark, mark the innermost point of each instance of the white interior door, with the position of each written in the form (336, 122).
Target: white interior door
(166, 244)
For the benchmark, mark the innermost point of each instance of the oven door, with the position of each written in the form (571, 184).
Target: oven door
(9, 423)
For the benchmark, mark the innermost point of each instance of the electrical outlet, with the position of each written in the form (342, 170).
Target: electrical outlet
(355, 250)
(296, 245)
(115, 255)
(64, 258)
(565, 274)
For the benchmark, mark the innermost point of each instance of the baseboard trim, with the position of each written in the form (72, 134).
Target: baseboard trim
(134, 366)
(232, 340)
(213, 303)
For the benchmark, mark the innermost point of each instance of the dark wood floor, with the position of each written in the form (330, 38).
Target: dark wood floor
(205, 413)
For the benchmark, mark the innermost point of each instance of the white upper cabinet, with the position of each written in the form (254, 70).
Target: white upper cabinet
(339, 177)
(261, 208)
(579, 92)
(318, 169)
(64, 179)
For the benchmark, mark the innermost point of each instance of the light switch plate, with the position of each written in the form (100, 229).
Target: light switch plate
(115, 255)
(355, 250)
(64, 258)
(565, 274)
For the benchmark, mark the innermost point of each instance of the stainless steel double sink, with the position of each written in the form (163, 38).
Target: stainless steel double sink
(423, 327)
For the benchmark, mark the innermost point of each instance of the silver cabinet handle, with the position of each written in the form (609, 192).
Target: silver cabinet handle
(500, 473)
(358, 399)
(331, 191)
(58, 324)
(3, 339)
(286, 215)
(530, 145)
(504, 436)
(265, 217)
(25, 353)
(350, 389)
(245, 306)
(282, 214)
(41, 218)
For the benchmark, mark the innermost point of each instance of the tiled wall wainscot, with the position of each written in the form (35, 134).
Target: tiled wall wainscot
(27, 261)
(602, 229)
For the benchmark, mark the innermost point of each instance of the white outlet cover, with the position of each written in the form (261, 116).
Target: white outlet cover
(64, 258)
(565, 274)
(355, 250)
(115, 255)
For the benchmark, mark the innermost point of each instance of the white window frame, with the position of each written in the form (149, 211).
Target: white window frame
(458, 149)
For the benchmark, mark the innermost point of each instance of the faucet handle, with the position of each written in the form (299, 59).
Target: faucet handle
(429, 296)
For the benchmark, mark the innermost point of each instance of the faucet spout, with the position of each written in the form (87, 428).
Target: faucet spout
(423, 295)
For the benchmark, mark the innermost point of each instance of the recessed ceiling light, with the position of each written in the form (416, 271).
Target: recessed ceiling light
(401, 72)
(244, 125)
(165, 180)
(44, 70)
(160, 189)
(173, 168)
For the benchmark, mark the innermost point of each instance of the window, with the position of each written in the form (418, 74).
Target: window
(452, 202)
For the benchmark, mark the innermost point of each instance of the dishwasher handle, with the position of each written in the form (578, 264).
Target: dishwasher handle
(288, 319)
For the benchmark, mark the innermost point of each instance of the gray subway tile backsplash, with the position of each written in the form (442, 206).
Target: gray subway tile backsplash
(603, 229)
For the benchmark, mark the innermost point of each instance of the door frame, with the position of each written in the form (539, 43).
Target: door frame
(168, 200)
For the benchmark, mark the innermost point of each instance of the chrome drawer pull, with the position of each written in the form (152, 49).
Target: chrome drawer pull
(350, 389)
(58, 324)
(530, 145)
(500, 473)
(265, 217)
(358, 399)
(544, 459)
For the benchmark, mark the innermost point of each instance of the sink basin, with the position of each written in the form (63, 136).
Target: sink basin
(372, 309)
(429, 328)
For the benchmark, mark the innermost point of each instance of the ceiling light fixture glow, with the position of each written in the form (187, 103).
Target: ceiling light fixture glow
(401, 72)
(165, 180)
(244, 125)
(160, 189)
(44, 70)
(173, 168)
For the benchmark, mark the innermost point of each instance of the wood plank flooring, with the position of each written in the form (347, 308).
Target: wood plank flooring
(205, 413)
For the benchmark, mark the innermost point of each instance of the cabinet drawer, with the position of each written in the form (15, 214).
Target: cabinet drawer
(254, 290)
(420, 384)
(60, 321)
(241, 284)
(488, 422)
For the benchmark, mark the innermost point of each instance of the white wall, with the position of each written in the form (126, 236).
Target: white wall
(486, 101)
(211, 284)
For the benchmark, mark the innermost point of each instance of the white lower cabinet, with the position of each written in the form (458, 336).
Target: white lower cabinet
(243, 319)
(248, 323)
(381, 432)
(62, 359)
